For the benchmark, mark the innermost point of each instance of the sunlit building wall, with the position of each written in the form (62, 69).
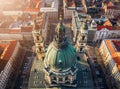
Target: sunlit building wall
(110, 52)
(12, 62)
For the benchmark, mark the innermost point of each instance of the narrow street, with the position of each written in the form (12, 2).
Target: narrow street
(99, 57)
(27, 65)
(23, 77)
(94, 59)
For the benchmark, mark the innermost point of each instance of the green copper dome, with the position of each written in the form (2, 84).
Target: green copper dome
(60, 54)
(60, 59)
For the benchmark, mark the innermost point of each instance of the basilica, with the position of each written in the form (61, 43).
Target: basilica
(59, 66)
(60, 60)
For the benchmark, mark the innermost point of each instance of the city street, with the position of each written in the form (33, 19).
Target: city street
(95, 61)
(23, 77)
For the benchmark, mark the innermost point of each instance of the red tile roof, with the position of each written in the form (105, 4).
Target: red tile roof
(111, 7)
(101, 27)
(38, 4)
(33, 6)
(6, 24)
(3, 46)
(108, 27)
(110, 4)
(117, 45)
(15, 31)
(107, 23)
(116, 28)
(31, 10)
(8, 50)
(115, 54)
(118, 67)
(27, 29)
(70, 4)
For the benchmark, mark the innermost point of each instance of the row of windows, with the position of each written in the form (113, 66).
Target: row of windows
(9, 68)
(59, 78)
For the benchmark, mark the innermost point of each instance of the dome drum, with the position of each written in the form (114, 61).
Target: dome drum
(65, 79)
(70, 71)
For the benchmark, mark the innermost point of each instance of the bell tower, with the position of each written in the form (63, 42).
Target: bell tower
(38, 38)
(82, 38)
